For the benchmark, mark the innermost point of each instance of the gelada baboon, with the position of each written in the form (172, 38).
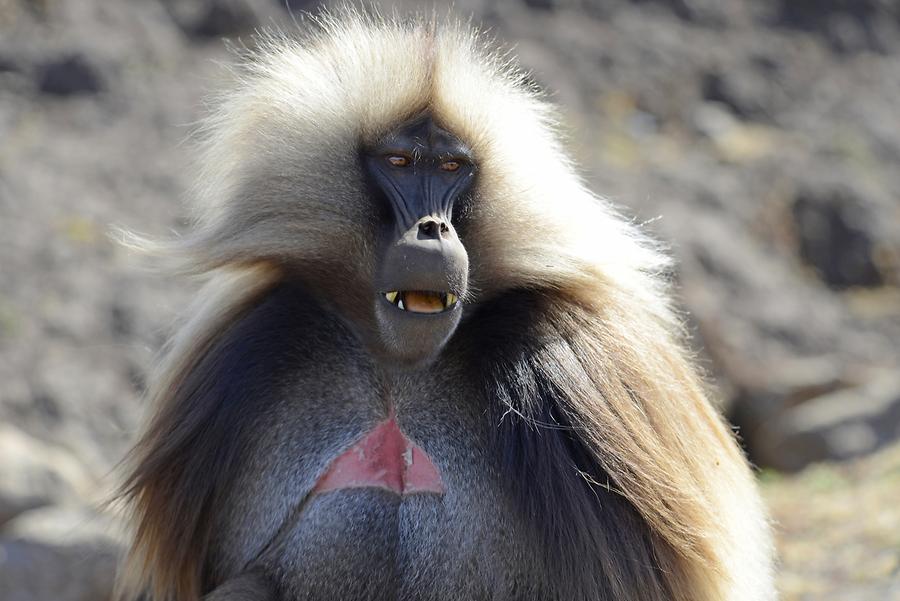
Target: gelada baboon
(429, 364)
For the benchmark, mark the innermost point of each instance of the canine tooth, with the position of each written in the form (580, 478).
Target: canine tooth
(400, 304)
(391, 296)
(451, 299)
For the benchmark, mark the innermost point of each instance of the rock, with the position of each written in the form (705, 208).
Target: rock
(298, 5)
(7, 65)
(713, 119)
(69, 76)
(837, 235)
(34, 571)
(746, 91)
(734, 140)
(833, 427)
(12, 506)
(65, 525)
(212, 18)
(34, 473)
(847, 25)
(709, 13)
(547, 5)
(59, 553)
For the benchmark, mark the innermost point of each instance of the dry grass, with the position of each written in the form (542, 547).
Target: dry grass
(838, 530)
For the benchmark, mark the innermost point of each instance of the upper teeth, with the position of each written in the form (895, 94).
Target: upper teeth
(395, 297)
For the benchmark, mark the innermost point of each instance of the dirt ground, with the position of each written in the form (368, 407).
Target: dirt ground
(838, 529)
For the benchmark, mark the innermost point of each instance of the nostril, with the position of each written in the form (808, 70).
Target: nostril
(444, 228)
(429, 228)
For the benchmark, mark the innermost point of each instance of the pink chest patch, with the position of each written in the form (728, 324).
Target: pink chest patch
(384, 458)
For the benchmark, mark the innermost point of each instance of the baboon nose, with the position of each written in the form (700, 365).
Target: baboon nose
(431, 228)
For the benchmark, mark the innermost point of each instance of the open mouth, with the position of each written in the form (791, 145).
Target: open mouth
(422, 301)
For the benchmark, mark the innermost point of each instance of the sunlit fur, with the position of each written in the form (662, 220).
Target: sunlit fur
(268, 202)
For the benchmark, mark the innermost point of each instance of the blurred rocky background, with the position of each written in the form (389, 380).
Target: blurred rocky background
(759, 139)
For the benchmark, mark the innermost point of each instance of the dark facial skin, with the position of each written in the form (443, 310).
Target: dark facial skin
(419, 172)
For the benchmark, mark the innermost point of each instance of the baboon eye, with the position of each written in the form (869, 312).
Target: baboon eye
(398, 160)
(450, 165)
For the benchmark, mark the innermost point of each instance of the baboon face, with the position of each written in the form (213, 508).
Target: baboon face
(417, 173)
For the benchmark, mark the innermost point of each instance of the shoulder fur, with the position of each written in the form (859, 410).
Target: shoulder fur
(602, 403)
